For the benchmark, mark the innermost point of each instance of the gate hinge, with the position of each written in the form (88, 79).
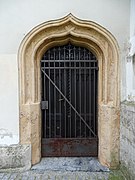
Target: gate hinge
(44, 104)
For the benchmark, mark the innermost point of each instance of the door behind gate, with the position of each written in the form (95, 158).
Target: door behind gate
(69, 102)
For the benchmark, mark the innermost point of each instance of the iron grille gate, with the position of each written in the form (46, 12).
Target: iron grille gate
(69, 102)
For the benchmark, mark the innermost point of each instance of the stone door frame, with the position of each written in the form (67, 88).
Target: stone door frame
(105, 47)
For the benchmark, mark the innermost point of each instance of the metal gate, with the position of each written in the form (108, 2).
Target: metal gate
(69, 102)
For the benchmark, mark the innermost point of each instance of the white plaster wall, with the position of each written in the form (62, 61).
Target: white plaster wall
(8, 100)
(130, 65)
(18, 17)
(132, 18)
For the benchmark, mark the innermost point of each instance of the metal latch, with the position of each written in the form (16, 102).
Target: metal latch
(44, 104)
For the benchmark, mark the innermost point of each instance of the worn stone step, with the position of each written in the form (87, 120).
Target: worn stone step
(58, 175)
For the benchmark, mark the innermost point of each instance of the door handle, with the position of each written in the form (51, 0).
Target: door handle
(61, 99)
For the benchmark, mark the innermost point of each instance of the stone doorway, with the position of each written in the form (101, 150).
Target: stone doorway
(104, 45)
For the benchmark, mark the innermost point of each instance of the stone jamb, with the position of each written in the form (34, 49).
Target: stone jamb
(105, 47)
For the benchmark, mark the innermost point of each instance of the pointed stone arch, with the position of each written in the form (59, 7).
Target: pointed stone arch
(105, 47)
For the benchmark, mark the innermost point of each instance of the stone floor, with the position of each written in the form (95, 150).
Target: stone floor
(65, 169)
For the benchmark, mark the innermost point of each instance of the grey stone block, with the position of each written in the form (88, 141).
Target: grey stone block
(66, 164)
(127, 135)
(16, 157)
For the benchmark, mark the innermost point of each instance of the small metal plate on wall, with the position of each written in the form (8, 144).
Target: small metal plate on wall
(44, 104)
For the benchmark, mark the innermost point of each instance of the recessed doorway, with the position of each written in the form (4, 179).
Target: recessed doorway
(69, 102)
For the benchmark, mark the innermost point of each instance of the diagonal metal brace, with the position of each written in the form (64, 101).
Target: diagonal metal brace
(68, 102)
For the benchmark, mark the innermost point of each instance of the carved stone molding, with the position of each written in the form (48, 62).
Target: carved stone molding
(105, 47)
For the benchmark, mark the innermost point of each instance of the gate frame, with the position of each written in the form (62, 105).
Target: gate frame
(76, 145)
(98, 40)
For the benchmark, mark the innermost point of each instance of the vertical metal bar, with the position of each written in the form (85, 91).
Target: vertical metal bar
(96, 124)
(49, 97)
(55, 126)
(65, 82)
(80, 91)
(84, 94)
(70, 91)
(59, 93)
(44, 98)
(75, 90)
(87, 100)
(90, 115)
(94, 94)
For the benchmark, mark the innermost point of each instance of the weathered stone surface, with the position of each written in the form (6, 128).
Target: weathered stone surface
(30, 131)
(109, 128)
(86, 164)
(58, 175)
(53, 169)
(127, 136)
(15, 157)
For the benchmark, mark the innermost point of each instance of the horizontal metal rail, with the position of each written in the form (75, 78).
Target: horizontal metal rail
(44, 68)
(63, 61)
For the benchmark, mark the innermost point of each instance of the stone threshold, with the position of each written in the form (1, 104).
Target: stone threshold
(85, 164)
(65, 168)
